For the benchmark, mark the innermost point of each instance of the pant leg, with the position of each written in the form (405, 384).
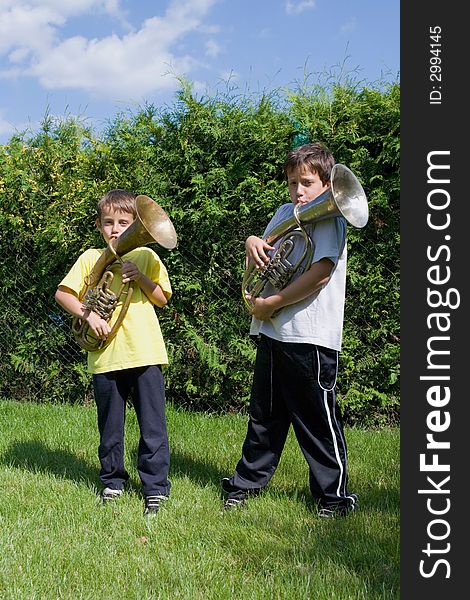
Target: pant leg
(316, 419)
(111, 391)
(153, 459)
(268, 427)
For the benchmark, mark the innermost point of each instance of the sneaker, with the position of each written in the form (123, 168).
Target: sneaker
(108, 494)
(153, 503)
(232, 503)
(235, 498)
(326, 512)
(339, 510)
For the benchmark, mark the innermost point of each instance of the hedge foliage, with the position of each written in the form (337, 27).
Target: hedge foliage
(215, 165)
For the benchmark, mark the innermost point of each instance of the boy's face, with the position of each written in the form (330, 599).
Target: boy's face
(113, 223)
(304, 185)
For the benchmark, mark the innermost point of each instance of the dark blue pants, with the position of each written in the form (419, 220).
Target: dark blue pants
(294, 384)
(145, 386)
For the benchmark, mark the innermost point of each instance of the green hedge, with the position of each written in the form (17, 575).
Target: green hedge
(215, 165)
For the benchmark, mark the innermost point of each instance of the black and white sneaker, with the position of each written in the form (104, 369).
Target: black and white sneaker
(153, 503)
(109, 494)
(339, 510)
(232, 503)
(235, 498)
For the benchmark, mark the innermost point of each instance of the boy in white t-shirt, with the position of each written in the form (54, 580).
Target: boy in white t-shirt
(299, 331)
(130, 365)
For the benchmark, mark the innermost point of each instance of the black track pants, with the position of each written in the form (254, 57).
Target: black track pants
(294, 384)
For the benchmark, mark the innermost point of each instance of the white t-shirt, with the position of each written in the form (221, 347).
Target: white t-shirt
(317, 319)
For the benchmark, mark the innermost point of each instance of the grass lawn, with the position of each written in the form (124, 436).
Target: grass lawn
(59, 542)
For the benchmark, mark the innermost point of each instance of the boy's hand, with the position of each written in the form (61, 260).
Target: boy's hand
(263, 308)
(129, 272)
(151, 289)
(99, 326)
(256, 251)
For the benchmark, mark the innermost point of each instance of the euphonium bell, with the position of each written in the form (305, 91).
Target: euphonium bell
(151, 225)
(345, 197)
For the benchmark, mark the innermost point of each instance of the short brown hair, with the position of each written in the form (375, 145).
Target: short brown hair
(315, 156)
(118, 199)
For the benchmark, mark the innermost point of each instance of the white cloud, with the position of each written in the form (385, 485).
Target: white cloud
(212, 48)
(295, 8)
(31, 30)
(348, 26)
(126, 66)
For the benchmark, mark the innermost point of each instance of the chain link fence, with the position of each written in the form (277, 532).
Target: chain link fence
(57, 369)
(37, 337)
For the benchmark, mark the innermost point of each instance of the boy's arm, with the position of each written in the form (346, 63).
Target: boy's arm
(152, 290)
(69, 301)
(308, 283)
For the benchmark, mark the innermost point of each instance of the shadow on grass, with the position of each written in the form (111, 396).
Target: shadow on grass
(35, 456)
(355, 544)
(202, 472)
(199, 470)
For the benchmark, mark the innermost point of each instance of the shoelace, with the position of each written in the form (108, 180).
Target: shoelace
(233, 502)
(110, 494)
(153, 502)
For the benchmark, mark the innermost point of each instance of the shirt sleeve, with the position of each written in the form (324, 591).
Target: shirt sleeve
(75, 278)
(328, 237)
(159, 275)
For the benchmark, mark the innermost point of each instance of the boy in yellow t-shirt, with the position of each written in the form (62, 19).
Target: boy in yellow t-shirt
(131, 363)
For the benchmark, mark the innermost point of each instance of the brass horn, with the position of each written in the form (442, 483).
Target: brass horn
(345, 197)
(151, 225)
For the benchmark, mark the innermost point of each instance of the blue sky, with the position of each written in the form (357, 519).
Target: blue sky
(96, 58)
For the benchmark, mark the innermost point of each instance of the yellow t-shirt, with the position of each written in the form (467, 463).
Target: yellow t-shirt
(139, 341)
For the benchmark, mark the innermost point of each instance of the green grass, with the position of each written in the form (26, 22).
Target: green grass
(59, 542)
